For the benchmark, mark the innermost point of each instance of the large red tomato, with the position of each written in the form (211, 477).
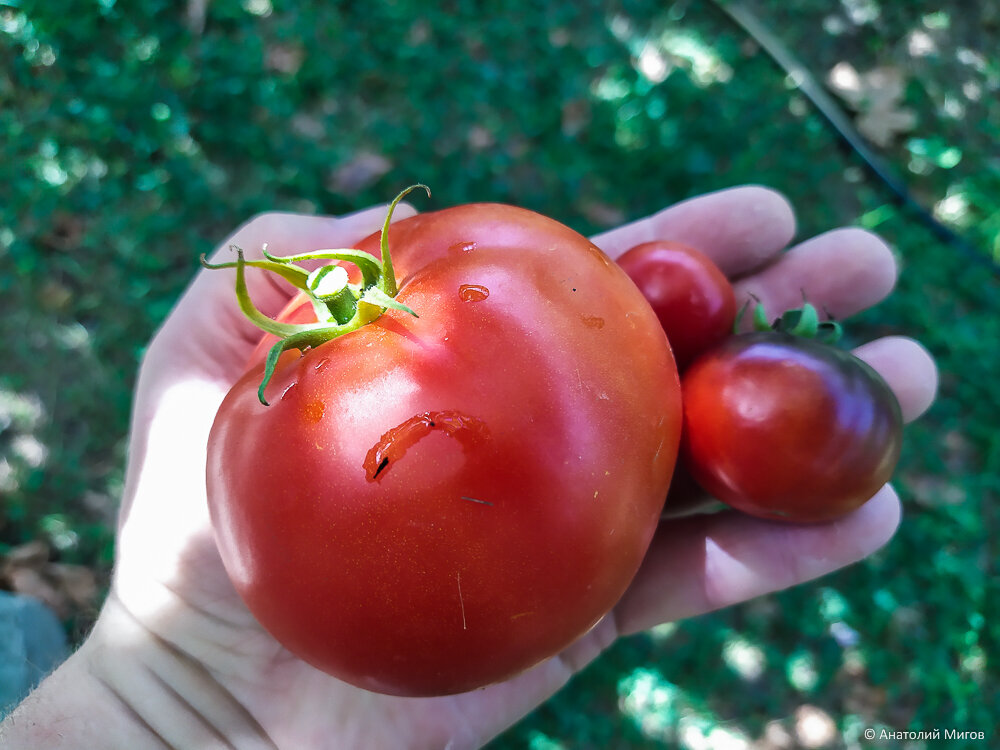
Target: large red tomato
(434, 503)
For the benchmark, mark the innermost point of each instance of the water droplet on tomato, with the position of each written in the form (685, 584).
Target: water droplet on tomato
(599, 254)
(289, 389)
(592, 321)
(473, 292)
(322, 363)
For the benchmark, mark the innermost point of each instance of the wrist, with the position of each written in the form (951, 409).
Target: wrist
(73, 708)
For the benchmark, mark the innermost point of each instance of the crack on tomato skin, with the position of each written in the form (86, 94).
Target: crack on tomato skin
(314, 411)
(394, 443)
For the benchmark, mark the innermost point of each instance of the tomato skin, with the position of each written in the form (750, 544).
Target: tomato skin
(783, 427)
(530, 420)
(689, 293)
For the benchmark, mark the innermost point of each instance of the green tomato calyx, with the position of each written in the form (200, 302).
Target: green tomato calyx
(802, 321)
(340, 306)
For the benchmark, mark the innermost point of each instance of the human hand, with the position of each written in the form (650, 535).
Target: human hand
(179, 660)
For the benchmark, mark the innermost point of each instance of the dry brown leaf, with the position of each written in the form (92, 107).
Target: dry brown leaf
(64, 233)
(359, 173)
(30, 555)
(575, 117)
(75, 581)
(197, 10)
(480, 138)
(877, 97)
(65, 589)
(882, 127)
(285, 58)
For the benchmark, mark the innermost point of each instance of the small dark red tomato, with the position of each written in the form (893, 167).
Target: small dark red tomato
(783, 427)
(692, 298)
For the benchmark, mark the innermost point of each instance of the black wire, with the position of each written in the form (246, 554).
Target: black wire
(834, 115)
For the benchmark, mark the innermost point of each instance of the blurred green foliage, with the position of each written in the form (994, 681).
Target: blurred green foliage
(136, 136)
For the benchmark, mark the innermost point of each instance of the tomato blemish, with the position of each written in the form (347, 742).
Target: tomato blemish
(314, 411)
(393, 444)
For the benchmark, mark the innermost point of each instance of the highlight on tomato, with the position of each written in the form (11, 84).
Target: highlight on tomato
(466, 448)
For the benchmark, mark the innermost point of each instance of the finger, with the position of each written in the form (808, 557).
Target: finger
(907, 367)
(840, 273)
(703, 563)
(739, 228)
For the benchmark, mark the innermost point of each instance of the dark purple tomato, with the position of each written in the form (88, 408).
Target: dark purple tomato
(784, 427)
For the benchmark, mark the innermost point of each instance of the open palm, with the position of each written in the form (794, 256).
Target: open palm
(173, 610)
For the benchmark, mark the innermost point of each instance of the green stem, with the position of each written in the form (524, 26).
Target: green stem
(259, 319)
(388, 283)
(329, 285)
(370, 266)
(292, 274)
(808, 323)
(802, 321)
(340, 306)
